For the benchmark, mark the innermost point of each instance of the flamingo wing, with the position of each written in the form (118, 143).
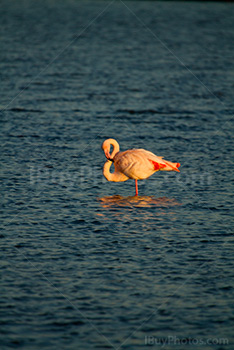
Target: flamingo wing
(160, 163)
(135, 163)
(139, 164)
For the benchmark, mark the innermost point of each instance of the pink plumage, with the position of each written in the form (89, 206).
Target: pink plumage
(137, 164)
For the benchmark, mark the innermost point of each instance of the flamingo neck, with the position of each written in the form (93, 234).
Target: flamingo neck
(106, 171)
(107, 145)
(116, 176)
(115, 145)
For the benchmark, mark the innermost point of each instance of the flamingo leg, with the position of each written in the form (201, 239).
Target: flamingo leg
(136, 186)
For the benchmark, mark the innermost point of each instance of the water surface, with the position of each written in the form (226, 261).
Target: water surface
(85, 264)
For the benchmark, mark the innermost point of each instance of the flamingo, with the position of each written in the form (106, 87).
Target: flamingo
(137, 164)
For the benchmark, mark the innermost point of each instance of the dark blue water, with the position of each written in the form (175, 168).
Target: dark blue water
(84, 263)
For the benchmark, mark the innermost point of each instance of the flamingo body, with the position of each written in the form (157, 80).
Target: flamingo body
(137, 164)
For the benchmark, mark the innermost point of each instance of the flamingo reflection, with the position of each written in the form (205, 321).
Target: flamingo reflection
(139, 201)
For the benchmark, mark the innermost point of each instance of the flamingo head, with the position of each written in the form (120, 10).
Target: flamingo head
(106, 148)
(108, 156)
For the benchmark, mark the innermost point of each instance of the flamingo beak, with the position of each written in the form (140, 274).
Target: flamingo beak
(107, 154)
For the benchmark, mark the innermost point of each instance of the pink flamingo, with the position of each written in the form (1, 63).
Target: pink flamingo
(137, 164)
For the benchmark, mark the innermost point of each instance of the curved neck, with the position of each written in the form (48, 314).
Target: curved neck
(115, 145)
(106, 148)
(116, 176)
(106, 171)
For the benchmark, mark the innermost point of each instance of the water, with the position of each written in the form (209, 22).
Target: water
(85, 264)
